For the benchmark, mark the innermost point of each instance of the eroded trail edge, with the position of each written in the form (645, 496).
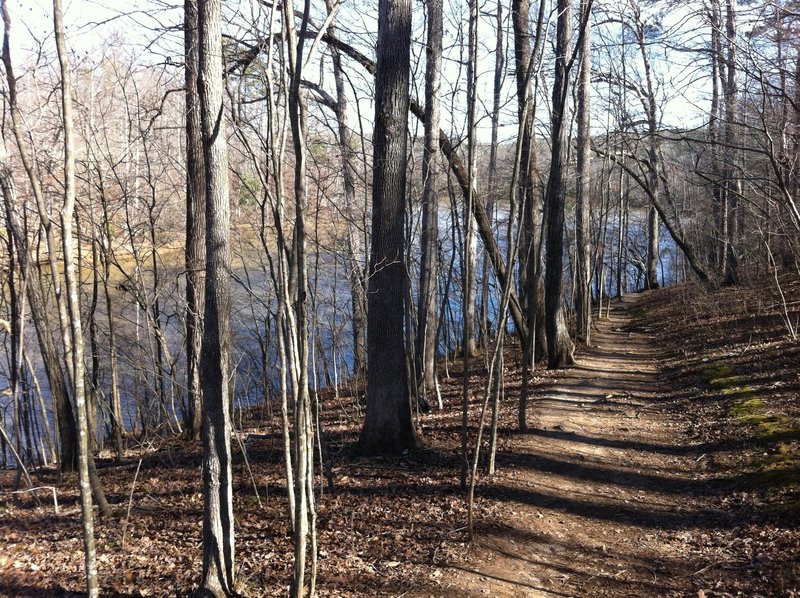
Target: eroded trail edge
(604, 493)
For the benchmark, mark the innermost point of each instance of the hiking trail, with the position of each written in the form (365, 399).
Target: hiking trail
(604, 493)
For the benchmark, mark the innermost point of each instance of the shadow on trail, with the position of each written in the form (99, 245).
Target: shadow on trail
(590, 566)
(683, 450)
(604, 475)
(622, 512)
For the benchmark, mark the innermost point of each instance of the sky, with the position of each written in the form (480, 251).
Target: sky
(89, 22)
(140, 27)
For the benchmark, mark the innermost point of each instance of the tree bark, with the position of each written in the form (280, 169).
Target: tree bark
(651, 277)
(583, 308)
(559, 345)
(195, 221)
(215, 355)
(733, 184)
(388, 426)
(468, 258)
(531, 212)
(720, 247)
(427, 316)
(74, 308)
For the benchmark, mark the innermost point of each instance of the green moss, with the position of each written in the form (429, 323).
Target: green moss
(722, 376)
(746, 408)
(751, 412)
(780, 465)
(742, 391)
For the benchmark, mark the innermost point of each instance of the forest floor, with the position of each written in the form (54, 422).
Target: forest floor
(665, 463)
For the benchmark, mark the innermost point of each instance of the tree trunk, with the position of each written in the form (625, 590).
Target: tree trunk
(491, 195)
(583, 308)
(733, 184)
(719, 248)
(427, 320)
(215, 357)
(195, 220)
(468, 258)
(388, 426)
(530, 271)
(73, 303)
(654, 172)
(303, 429)
(559, 345)
(651, 277)
(115, 407)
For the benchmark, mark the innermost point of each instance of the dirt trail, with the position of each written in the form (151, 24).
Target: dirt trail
(604, 496)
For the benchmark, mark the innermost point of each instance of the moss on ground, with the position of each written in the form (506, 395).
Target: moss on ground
(779, 466)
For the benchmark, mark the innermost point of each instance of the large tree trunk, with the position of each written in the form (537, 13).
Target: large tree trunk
(530, 258)
(215, 356)
(427, 320)
(388, 426)
(559, 345)
(195, 221)
(583, 308)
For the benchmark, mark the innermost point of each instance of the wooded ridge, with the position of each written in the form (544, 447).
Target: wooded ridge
(340, 298)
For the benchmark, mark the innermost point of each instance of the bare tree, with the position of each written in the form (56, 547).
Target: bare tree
(559, 345)
(215, 356)
(73, 302)
(733, 183)
(427, 316)
(527, 63)
(468, 258)
(195, 219)
(583, 311)
(298, 326)
(388, 426)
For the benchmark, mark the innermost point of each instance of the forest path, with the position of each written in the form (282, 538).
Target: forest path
(604, 494)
